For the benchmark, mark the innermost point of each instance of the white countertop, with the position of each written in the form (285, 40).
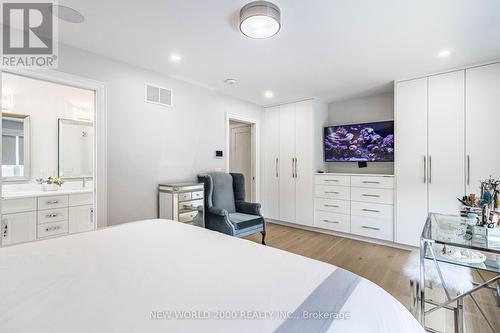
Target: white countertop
(40, 193)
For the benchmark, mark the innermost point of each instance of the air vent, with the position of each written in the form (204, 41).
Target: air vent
(158, 95)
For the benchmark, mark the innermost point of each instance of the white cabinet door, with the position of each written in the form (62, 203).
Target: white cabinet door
(411, 152)
(18, 228)
(482, 125)
(286, 163)
(271, 148)
(304, 164)
(81, 219)
(446, 142)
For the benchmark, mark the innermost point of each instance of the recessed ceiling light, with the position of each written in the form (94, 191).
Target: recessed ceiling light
(260, 19)
(230, 81)
(175, 57)
(268, 94)
(67, 14)
(444, 53)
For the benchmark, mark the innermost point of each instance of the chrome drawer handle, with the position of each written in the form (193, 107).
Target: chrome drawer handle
(370, 182)
(53, 228)
(51, 215)
(336, 206)
(331, 180)
(52, 202)
(331, 192)
(330, 221)
(371, 195)
(371, 228)
(370, 210)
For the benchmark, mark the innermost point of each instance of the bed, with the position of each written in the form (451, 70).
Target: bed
(165, 276)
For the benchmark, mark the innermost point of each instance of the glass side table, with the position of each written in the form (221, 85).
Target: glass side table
(453, 231)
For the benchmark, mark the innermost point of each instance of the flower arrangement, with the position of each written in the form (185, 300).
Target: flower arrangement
(51, 183)
(54, 181)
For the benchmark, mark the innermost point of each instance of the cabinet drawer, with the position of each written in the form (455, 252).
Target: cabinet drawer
(188, 217)
(190, 205)
(374, 195)
(379, 211)
(185, 196)
(332, 221)
(332, 192)
(52, 215)
(81, 199)
(371, 181)
(370, 227)
(52, 229)
(58, 201)
(197, 195)
(332, 205)
(332, 180)
(10, 206)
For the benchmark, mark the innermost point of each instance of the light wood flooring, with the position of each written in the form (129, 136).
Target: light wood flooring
(381, 264)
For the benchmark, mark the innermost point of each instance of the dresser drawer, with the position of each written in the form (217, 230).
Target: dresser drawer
(332, 205)
(188, 217)
(186, 196)
(372, 181)
(332, 192)
(81, 199)
(58, 201)
(379, 211)
(10, 206)
(190, 205)
(373, 195)
(370, 227)
(197, 195)
(52, 229)
(52, 215)
(332, 180)
(332, 221)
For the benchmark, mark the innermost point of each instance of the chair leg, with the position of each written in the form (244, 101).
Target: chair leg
(263, 237)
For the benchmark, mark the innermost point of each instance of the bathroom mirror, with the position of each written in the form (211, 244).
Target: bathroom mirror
(15, 147)
(76, 149)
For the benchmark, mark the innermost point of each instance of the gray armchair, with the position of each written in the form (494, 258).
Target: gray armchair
(226, 208)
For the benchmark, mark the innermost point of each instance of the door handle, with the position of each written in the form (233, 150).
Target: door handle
(334, 206)
(330, 221)
(425, 169)
(371, 195)
(295, 167)
(371, 228)
(277, 174)
(468, 169)
(370, 210)
(370, 182)
(430, 169)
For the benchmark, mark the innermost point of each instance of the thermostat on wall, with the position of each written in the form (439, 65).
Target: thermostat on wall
(219, 154)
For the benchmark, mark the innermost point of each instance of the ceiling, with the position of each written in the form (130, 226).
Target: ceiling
(329, 49)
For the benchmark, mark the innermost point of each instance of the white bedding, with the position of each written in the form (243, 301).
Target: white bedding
(119, 278)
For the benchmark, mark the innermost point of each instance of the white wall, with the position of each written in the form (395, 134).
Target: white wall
(359, 110)
(149, 144)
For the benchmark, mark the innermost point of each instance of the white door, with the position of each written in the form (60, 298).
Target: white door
(18, 228)
(482, 125)
(287, 163)
(271, 144)
(81, 218)
(241, 155)
(446, 142)
(411, 159)
(304, 164)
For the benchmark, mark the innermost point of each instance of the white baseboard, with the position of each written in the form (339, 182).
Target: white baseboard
(341, 234)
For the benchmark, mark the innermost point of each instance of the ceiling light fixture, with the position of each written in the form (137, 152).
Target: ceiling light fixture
(175, 58)
(444, 53)
(268, 94)
(67, 14)
(260, 19)
(230, 81)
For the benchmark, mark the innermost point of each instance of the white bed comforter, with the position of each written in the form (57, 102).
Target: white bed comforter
(156, 275)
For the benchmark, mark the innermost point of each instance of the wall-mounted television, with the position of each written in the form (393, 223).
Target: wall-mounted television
(367, 142)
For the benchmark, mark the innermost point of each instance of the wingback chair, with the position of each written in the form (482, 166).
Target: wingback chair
(226, 208)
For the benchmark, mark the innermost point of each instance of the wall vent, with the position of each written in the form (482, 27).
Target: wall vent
(158, 95)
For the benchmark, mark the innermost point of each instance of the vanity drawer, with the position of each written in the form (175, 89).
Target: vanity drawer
(188, 217)
(332, 192)
(374, 195)
(379, 211)
(10, 206)
(190, 205)
(332, 221)
(197, 195)
(52, 202)
(370, 227)
(371, 181)
(81, 199)
(52, 215)
(52, 229)
(332, 205)
(333, 180)
(185, 196)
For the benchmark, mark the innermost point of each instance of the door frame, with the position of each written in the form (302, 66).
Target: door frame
(255, 130)
(100, 125)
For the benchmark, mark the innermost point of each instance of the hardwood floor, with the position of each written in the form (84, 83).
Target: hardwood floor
(380, 264)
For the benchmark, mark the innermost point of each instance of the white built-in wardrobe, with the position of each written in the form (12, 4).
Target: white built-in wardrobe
(447, 141)
(291, 154)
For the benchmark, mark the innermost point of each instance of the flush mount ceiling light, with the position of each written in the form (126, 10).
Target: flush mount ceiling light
(260, 19)
(444, 53)
(175, 57)
(268, 94)
(67, 14)
(230, 81)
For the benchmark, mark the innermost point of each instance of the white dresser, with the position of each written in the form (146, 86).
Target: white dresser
(356, 204)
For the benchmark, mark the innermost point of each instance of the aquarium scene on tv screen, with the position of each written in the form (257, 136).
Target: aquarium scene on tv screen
(370, 142)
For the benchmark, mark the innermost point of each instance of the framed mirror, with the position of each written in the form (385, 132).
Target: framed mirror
(15, 147)
(76, 149)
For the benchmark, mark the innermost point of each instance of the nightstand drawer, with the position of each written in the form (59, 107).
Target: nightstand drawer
(332, 205)
(332, 221)
(373, 195)
(370, 227)
(58, 201)
(52, 215)
(52, 229)
(372, 181)
(332, 192)
(379, 211)
(332, 180)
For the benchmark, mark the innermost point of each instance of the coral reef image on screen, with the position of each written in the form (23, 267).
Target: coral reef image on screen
(371, 142)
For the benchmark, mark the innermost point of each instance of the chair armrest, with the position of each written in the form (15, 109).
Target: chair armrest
(251, 208)
(218, 211)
